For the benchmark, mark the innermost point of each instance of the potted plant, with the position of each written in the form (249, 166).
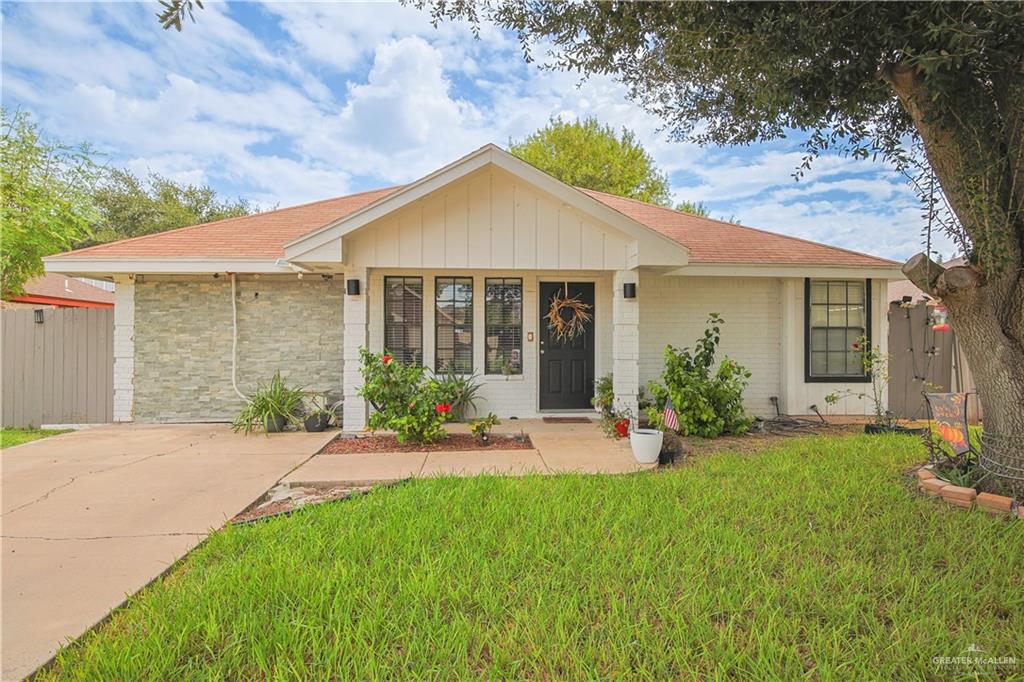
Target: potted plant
(604, 394)
(271, 407)
(318, 416)
(876, 366)
(645, 443)
(481, 428)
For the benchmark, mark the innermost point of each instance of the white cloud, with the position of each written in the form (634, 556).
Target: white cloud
(326, 98)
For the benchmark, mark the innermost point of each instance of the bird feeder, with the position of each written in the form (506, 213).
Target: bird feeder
(939, 319)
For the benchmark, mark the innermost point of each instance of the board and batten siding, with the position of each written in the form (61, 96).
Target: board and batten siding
(489, 220)
(60, 370)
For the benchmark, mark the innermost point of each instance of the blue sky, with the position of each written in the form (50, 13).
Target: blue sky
(283, 103)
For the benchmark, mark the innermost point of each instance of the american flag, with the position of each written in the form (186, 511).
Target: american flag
(669, 416)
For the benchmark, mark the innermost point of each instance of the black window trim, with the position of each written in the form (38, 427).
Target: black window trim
(522, 293)
(471, 325)
(835, 378)
(422, 318)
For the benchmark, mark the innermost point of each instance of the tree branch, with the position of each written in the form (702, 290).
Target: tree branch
(923, 272)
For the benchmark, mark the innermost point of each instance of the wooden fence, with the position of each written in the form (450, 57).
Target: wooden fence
(919, 359)
(59, 370)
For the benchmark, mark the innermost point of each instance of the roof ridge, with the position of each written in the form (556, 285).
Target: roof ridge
(141, 237)
(744, 227)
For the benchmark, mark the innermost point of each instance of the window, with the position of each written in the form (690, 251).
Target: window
(403, 319)
(836, 314)
(453, 325)
(503, 313)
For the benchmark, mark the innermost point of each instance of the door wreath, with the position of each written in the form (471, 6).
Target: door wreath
(568, 316)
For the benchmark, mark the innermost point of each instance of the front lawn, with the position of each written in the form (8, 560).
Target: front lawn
(813, 559)
(11, 437)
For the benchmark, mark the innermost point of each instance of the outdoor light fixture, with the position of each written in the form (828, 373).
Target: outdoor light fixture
(352, 287)
(629, 290)
(38, 315)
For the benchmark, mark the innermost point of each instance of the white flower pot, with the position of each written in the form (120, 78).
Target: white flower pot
(646, 444)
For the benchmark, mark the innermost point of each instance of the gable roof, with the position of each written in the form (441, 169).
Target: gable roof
(265, 236)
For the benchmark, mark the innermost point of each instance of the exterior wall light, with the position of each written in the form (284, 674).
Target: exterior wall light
(352, 287)
(629, 290)
(38, 312)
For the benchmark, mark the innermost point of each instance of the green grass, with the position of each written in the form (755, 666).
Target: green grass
(812, 559)
(11, 437)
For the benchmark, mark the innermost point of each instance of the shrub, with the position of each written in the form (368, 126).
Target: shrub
(604, 394)
(708, 403)
(481, 428)
(403, 399)
(459, 390)
(269, 401)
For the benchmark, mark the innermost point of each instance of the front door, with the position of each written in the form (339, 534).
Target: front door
(566, 367)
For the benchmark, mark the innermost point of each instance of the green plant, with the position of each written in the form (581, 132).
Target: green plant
(267, 403)
(462, 391)
(481, 428)
(604, 394)
(876, 365)
(967, 476)
(708, 403)
(404, 400)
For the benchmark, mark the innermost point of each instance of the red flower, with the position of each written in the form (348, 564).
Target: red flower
(622, 428)
(856, 345)
(443, 408)
(386, 359)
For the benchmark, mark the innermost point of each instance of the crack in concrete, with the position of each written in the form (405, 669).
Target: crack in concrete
(92, 472)
(103, 537)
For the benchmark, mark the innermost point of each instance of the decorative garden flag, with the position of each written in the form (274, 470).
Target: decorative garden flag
(669, 416)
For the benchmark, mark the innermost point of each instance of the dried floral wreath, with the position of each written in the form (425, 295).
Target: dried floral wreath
(568, 317)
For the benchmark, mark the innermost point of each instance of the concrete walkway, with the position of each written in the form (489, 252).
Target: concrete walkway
(559, 448)
(92, 516)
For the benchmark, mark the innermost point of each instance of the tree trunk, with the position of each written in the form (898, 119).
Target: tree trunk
(975, 151)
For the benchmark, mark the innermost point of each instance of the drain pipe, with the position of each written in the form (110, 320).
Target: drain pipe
(234, 341)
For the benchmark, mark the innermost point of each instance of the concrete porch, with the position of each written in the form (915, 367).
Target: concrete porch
(558, 448)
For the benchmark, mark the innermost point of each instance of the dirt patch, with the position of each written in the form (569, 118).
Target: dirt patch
(752, 443)
(284, 499)
(454, 442)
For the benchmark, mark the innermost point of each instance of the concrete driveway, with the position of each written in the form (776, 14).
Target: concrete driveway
(90, 517)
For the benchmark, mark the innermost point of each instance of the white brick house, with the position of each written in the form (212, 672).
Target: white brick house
(457, 269)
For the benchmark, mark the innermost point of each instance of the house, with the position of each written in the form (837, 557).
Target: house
(60, 291)
(457, 269)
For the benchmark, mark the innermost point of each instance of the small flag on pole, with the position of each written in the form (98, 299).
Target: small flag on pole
(669, 416)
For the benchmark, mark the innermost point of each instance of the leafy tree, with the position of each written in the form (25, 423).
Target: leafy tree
(588, 154)
(698, 208)
(935, 87)
(46, 195)
(130, 207)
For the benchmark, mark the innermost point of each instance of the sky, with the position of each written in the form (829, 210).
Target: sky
(284, 103)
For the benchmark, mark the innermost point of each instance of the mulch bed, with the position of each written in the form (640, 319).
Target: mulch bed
(454, 442)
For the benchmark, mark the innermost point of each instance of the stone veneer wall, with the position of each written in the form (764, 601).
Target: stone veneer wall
(183, 342)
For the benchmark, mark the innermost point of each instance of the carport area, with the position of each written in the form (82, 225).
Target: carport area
(93, 516)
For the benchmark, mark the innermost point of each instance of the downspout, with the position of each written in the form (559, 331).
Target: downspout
(234, 341)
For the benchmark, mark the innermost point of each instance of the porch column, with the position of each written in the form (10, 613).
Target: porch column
(124, 349)
(626, 341)
(356, 327)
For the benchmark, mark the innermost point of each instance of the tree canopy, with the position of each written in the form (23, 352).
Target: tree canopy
(46, 190)
(57, 197)
(588, 154)
(131, 207)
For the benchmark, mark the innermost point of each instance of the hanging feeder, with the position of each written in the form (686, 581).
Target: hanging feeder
(939, 319)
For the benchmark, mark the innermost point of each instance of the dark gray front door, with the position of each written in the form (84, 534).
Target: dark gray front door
(566, 368)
